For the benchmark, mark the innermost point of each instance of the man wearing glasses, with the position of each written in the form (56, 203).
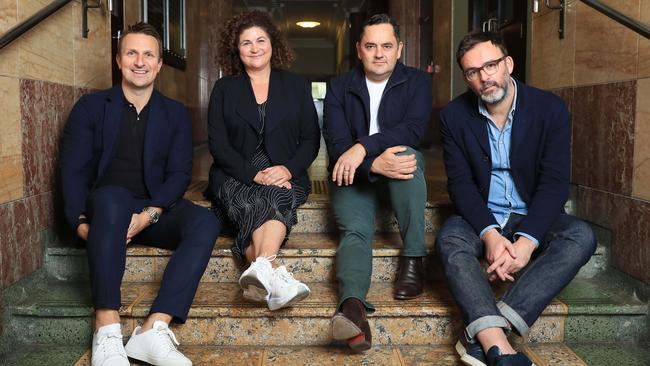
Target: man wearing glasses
(507, 153)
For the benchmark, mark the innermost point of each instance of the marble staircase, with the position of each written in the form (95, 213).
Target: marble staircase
(52, 310)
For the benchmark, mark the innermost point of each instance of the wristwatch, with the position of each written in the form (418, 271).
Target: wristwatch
(154, 216)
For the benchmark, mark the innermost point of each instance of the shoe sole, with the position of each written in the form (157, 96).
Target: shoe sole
(344, 329)
(465, 357)
(275, 304)
(254, 290)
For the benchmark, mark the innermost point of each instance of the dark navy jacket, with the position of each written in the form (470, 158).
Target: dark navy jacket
(403, 116)
(89, 141)
(539, 154)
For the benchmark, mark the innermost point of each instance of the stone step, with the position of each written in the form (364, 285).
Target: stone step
(311, 256)
(541, 354)
(316, 216)
(41, 310)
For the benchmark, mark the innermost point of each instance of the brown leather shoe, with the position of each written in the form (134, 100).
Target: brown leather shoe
(409, 278)
(351, 325)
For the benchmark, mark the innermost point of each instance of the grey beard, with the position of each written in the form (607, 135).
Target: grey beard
(497, 96)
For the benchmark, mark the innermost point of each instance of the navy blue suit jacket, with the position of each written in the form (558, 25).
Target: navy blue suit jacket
(89, 141)
(403, 115)
(539, 158)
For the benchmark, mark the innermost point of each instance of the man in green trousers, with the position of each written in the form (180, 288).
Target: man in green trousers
(374, 116)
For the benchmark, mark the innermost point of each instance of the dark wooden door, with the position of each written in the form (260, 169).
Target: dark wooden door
(117, 26)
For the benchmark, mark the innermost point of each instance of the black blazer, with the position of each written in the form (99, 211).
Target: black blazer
(291, 135)
(89, 141)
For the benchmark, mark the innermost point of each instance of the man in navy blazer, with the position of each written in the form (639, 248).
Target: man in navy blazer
(374, 117)
(126, 161)
(507, 155)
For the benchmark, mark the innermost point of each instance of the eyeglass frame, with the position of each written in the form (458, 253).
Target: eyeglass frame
(482, 68)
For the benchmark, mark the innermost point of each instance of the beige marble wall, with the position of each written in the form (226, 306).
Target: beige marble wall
(41, 73)
(552, 63)
(641, 180)
(11, 169)
(595, 49)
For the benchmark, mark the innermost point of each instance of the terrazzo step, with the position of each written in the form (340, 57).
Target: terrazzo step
(311, 256)
(41, 310)
(542, 355)
(316, 216)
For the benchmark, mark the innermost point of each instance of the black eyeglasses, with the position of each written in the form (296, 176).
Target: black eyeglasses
(490, 68)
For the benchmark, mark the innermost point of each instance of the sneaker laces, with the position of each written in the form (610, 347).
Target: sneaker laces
(110, 343)
(284, 275)
(168, 337)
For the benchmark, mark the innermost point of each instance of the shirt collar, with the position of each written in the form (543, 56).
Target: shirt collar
(484, 112)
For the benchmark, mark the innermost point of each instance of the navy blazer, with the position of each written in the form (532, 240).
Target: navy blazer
(89, 141)
(403, 116)
(291, 133)
(539, 158)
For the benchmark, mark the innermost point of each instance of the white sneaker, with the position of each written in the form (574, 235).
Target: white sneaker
(156, 346)
(108, 349)
(285, 290)
(256, 280)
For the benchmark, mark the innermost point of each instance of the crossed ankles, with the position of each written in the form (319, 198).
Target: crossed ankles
(472, 354)
(275, 286)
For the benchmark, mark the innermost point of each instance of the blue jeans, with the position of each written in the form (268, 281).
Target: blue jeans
(567, 246)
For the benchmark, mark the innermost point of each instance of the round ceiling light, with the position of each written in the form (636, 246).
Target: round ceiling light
(308, 23)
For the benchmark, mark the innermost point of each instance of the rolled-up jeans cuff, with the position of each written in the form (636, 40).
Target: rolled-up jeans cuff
(484, 322)
(515, 320)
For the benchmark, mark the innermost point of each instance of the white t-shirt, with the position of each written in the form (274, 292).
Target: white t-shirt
(375, 90)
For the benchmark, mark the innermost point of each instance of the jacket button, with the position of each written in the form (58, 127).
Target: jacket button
(486, 158)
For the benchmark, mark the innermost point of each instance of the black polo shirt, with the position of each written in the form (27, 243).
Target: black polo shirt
(126, 169)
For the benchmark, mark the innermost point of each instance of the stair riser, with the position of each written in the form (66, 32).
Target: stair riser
(321, 220)
(606, 328)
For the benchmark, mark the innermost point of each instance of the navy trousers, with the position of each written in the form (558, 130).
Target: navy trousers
(188, 229)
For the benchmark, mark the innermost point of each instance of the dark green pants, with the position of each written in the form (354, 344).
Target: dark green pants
(354, 210)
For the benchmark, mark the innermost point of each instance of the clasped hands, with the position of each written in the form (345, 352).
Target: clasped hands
(388, 164)
(139, 222)
(277, 175)
(504, 257)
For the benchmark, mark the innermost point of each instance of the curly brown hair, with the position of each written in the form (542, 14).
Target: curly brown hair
(228, 52)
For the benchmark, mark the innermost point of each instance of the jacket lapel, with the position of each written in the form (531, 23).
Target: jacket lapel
(478, 125)
(276, 103)
(156, 123)
(247, 106)
(113, 109)
(519, 124)
(358, 87)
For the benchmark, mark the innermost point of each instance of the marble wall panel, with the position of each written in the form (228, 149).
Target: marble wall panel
(644, 43)
(627, 218)
(46, 52)
(11, 167)
(9, 54)
(21, 247)
(603, 136)
(92, 55)
(552, 58)
(605, 51)
(641, 183)
(45, 108)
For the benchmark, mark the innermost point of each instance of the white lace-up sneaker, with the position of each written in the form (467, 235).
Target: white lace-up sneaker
(256, 279)
(286, 290)
(108, 349)
(156, 346)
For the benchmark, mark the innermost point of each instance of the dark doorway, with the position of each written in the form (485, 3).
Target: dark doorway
(117, 25)
(509, 18)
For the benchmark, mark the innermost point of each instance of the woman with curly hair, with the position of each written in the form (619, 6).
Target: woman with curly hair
(263, 136)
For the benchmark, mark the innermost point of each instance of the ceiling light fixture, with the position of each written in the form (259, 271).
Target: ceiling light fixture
(308, 23)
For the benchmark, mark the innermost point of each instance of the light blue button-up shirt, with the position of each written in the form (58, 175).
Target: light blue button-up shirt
(503, 199)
